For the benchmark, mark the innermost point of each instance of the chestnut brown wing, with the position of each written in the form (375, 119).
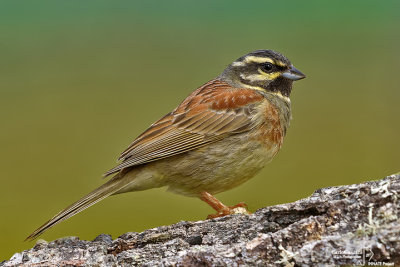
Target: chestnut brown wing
(209, 114)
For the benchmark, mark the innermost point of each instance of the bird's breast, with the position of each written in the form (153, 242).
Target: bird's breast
(271, 125)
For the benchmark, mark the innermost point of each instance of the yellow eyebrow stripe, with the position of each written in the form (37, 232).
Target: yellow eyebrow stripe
(255, 59)
(280, 63)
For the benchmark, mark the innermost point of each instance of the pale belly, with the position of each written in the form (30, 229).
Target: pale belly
(214, 169)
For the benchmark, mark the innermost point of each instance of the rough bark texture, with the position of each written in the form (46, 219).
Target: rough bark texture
(355, 224)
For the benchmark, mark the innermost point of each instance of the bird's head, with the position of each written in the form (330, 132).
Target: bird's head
(264, 70)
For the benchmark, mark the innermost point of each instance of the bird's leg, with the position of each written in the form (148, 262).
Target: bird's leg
(222, 210)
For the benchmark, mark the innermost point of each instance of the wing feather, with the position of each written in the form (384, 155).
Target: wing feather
(209, 114)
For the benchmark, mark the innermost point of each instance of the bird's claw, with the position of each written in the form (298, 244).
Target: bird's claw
(240, 208)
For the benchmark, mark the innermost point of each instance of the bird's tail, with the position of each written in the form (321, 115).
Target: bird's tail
(111, 187)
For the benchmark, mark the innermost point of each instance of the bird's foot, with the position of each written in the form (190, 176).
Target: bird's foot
(222, 210)
(240, 208)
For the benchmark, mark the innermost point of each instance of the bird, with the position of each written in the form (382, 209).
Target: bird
(219, 137)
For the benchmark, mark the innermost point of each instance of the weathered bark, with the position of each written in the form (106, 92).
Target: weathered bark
(355, 224)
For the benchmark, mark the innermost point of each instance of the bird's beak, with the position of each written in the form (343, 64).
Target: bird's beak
(293, 74)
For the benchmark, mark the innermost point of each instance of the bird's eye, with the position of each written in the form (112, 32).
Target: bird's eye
(267, 67)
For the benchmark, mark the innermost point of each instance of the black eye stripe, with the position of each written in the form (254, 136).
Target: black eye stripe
(281, 67)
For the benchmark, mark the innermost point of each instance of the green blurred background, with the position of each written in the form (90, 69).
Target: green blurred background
(79, 80)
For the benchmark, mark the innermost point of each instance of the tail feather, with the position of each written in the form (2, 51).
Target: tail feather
(112, 186)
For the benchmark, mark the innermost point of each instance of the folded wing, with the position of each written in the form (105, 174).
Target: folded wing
(209, 114)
